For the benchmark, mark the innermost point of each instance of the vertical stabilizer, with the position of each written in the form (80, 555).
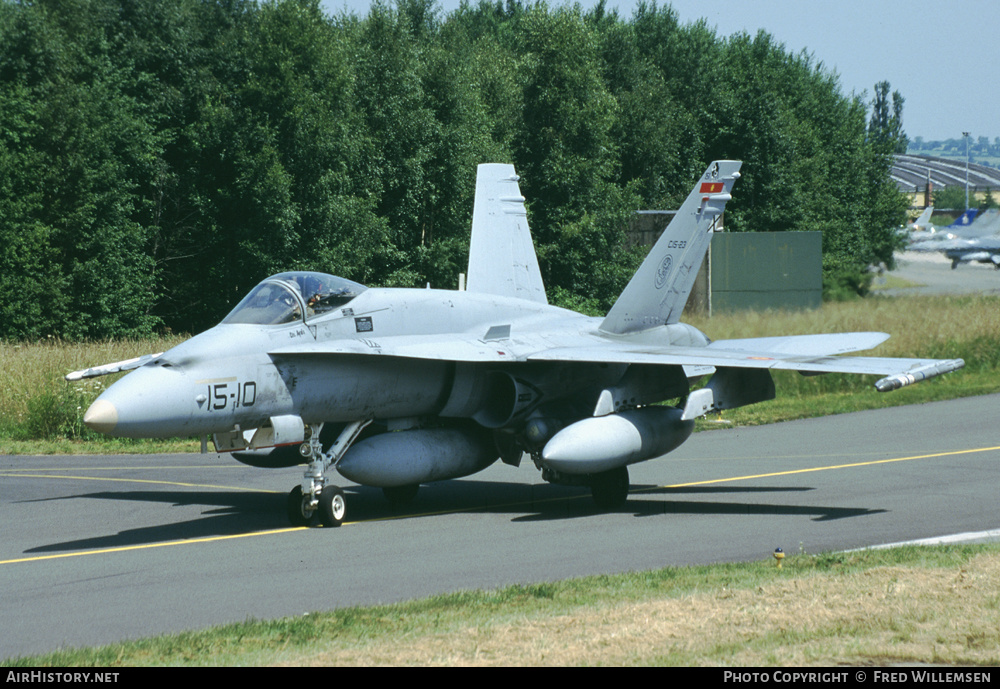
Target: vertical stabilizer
(986, 223)
(502, 258)
(964, 220)
(659, 289)
(924, 220)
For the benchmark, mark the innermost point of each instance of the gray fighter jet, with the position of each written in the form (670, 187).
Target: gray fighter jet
(978, 243)
(398, 387)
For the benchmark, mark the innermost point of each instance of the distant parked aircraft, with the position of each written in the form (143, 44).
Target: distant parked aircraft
(963, 223)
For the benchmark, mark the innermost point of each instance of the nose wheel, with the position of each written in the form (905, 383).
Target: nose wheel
(300, 511)
(332, 506)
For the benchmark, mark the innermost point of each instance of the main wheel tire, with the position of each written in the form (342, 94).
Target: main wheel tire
(299, 513)
(332, 506)
(610, 488)
(401, 495)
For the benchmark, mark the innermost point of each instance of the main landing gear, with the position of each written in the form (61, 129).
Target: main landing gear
(610, 488)
(398, 496)
(314, 495)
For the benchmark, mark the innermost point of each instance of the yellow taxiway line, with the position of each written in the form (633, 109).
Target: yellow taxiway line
(853, 465)
(166, 544)
(107, 479)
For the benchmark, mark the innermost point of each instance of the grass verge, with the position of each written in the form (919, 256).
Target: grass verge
(41, 413)
(905, 605)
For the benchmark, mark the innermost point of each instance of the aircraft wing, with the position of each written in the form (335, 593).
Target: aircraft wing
(465, 348)
(977, 244)
(983, 244)
(810, 354)
(806, 345)
(788, 356)
(713, 356)
(456, 348)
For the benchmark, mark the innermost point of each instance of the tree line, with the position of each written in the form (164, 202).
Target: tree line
(160, 157)
(979, 146)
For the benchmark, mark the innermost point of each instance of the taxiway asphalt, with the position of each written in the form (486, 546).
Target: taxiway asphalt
(931, 274)
(98, 549)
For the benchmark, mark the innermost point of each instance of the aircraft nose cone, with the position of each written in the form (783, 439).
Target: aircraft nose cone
(101, 416)
(150, 402)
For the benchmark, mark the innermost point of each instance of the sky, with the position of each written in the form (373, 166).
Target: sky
(941, 55)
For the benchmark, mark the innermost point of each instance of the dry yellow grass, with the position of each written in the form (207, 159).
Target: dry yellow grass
(30, 367)
(916, 324)
(878, 616)
(31, 370)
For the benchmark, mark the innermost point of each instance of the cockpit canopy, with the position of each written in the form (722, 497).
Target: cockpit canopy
(288, 297)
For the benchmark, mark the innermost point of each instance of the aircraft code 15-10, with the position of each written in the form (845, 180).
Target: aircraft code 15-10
(223, 395)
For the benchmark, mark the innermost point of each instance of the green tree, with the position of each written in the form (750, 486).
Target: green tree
(885, 128)
(76, 147)
(158, 157)
(952, 196)
(567, 156)
(657, 139)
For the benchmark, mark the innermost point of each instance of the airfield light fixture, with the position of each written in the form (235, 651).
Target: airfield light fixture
(966, 135)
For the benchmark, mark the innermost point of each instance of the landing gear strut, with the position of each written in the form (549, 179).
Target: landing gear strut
(608, 488)
(314, 494)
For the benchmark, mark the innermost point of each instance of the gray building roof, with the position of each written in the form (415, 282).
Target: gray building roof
(910, 173)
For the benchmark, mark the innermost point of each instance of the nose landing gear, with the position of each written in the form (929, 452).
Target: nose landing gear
(314, 494)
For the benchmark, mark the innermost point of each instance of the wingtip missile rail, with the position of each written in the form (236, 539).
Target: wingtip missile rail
(117, 367)
(915, 375)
